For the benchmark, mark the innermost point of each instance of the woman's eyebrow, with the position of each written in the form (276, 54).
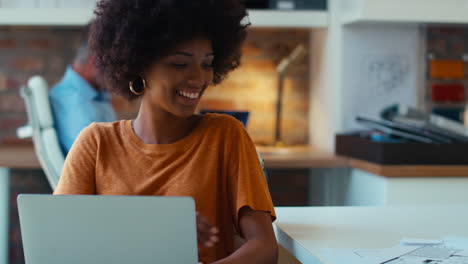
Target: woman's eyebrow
(182, 53)
(187, 54)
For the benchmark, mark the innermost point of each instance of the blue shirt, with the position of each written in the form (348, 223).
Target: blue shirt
(76, 104)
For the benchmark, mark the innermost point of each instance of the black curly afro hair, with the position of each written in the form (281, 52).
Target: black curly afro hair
(127, 36)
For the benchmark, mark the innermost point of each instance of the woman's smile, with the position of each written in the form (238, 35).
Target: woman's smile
(188, 96)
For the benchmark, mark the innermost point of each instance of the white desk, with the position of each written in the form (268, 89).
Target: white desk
(305, 230)
(11, 157)
(4, 213)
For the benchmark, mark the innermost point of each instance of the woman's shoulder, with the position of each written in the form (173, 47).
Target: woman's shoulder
(97, 130)
(109, 126)
(223, 121)
(222, 126)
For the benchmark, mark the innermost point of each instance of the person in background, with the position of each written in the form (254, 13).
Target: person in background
(78, 99)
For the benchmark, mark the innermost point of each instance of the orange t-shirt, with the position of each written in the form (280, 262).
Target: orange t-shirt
(217, 165)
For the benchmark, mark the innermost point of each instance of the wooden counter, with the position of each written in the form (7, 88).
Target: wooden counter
(24, 157)
(301, 157)
(18, 157)
(410, 170)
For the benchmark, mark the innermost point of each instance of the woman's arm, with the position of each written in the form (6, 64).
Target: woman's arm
(260, 246)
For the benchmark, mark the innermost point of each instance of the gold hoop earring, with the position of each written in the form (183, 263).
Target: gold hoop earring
(134, 91)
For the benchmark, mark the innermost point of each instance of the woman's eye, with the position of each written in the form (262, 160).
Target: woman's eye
(208, 65)
(179, 65)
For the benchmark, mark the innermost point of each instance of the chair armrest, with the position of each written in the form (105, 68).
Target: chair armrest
(24, 132)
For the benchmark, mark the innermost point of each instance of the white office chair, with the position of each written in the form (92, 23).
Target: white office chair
(41, 128)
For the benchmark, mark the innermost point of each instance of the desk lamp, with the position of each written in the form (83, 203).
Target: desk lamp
(282, 68)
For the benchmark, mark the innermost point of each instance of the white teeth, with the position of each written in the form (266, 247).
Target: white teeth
(189, 95)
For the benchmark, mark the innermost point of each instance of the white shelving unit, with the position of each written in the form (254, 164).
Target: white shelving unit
(45, 16)
(289, 19)
(351, 12)
(81, 16)
(404, 11)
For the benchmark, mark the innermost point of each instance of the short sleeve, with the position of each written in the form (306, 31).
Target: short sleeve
(247, 182)
(78, 174)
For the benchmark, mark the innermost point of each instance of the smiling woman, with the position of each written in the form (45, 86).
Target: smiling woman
(168, 52)
(132, 35)
(178, 80)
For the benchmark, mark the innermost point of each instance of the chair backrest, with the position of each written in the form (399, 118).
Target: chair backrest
(262, 162)
(46, 144)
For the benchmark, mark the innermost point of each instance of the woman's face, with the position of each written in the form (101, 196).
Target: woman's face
(176, 82)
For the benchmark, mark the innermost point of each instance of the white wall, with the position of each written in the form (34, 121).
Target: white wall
(380, 67)
(359, 69)
(326, 81)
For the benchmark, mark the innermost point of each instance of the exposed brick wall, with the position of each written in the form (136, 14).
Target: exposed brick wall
(26, 51)
(253, 87)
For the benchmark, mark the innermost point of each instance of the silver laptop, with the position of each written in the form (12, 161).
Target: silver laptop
(59, 229)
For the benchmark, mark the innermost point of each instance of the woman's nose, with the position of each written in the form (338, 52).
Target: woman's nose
(197, 76)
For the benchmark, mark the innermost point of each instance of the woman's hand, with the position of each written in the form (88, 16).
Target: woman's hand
(207, 234)
(260, 246)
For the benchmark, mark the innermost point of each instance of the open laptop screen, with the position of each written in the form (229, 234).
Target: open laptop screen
(59, 229)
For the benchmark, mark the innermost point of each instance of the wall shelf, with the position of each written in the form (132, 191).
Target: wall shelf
(404, 11)
(45, 16)
(81, 16)
(289, 19)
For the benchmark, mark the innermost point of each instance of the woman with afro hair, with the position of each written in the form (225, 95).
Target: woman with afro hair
(167, 53)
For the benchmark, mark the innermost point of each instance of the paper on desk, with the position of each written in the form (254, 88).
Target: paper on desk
(410, 260)
(456, 242)
(435, 252)
(391, 253)
(454, 260)
(419, 260)
(365, 256)
(420, 242)
(338, 256)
